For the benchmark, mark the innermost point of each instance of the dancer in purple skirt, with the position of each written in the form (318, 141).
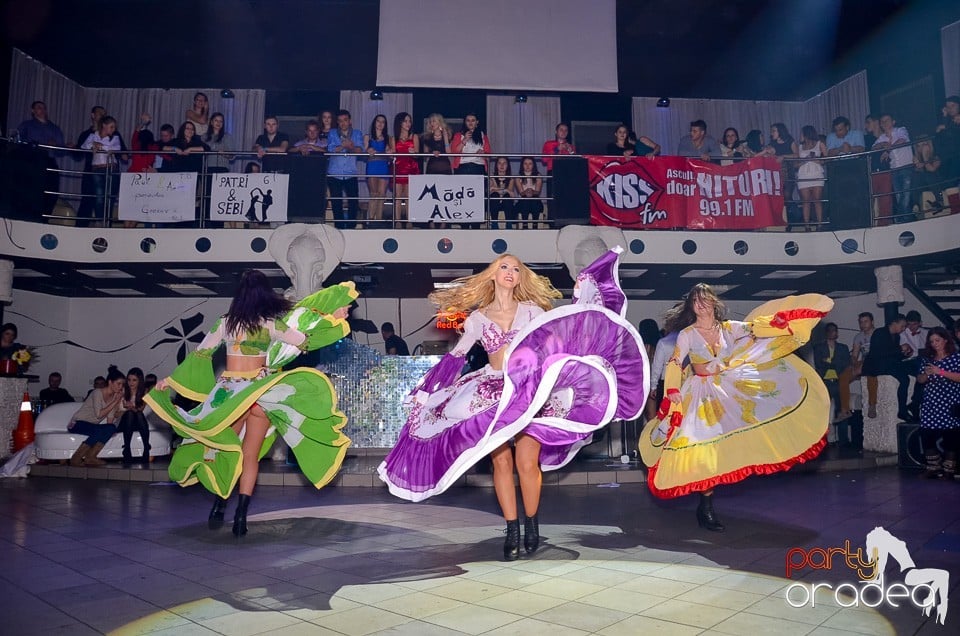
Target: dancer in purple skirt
(554, 378)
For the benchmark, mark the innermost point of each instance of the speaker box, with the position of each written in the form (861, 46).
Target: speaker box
(848, 194)
(571, 198)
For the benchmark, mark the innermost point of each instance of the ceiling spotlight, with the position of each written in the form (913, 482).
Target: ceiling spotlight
(520, 99)
(376, 95)
(226, 93)
(663, 102)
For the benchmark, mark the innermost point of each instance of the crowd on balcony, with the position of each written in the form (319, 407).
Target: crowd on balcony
(910, 166)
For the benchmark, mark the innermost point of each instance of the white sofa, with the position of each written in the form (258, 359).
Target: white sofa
(54, 441)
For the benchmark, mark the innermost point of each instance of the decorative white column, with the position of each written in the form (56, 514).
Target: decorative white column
(6, 281)
(889, 284)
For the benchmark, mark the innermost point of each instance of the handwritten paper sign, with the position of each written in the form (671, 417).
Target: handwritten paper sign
(446, 198)
(254, 198)
(158, 197)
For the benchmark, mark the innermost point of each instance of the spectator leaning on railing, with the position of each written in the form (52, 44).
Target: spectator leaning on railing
(342, 145)
(895, 141)
(698, 143)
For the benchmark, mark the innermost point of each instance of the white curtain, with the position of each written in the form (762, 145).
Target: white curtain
(363, 109)
(521, 128)
(667, 125)
(69, 103)
(31, 80)
(950, 47)
(850, 98)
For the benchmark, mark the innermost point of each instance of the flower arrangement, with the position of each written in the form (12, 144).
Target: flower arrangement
(24, 356)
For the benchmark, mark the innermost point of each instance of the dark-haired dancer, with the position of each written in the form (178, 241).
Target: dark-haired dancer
(252, 401)
(747, 408)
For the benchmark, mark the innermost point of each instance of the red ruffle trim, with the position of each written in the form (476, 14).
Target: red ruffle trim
(782, 319)
(733, 477)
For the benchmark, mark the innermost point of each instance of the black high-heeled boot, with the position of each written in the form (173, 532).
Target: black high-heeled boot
(240, 517)
(511, 545)
(531, 534)
(705, 515)
(127, 455)
(215, 520)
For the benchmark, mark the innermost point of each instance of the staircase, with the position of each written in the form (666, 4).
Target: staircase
(938, 288)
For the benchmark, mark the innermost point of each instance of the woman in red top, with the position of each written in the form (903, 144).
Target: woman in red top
(405, 142)
(559, 145)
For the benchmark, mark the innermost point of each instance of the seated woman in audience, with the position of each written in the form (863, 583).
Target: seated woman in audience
(927, 175)
(132, 418)
(97, 418)
(500, 193)
(436, 139)
(730, 146)
(470, 140)
(186, 145)
(528, 184)
(198, 114)
(810, 174)
(377, 142)
(405, 141)
(621, 146)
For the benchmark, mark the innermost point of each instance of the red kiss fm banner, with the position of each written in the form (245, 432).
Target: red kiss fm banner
(678, 192)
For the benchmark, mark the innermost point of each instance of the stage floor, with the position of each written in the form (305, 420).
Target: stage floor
(86, 556)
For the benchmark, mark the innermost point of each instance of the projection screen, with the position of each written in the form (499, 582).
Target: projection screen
(548, 45)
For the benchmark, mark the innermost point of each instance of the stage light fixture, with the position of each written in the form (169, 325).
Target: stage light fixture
(663, 102)
(226, 93)
(376, 95)
(520, 99)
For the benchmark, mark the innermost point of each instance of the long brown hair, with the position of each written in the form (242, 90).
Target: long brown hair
(950, 349)
(682, 316)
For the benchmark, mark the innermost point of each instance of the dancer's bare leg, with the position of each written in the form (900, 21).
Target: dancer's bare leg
(503, 481)
(528, 468)
(257, 425)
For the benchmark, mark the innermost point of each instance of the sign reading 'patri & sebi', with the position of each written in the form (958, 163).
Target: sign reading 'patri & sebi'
(157, 197)
(444, 198)
(256, 198)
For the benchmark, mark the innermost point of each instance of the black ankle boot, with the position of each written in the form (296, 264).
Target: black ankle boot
(705, 515)
(531, 534)
(215, 520)
(511, 546)
(240, 517)
(127, 455)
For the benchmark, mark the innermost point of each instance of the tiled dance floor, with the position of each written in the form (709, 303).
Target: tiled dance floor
(96, 556)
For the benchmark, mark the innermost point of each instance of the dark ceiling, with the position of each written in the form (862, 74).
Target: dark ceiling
(750, 49)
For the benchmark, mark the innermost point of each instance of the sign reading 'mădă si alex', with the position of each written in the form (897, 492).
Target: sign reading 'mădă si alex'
(444, 198)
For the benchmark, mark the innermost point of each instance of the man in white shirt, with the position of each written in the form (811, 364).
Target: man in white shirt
(898, 151)
(913, 340)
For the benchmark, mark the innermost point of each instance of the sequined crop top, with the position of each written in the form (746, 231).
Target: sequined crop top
(478, 327)
(252, 344)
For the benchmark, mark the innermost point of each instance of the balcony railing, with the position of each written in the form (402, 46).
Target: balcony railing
(51, 184)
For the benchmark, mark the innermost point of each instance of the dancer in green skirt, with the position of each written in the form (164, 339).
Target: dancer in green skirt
(242, 412)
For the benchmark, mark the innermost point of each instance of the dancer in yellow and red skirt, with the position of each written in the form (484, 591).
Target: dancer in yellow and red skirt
(742, 406)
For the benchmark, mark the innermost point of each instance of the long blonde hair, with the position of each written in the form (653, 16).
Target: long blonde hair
(441, 121)
(477, 291)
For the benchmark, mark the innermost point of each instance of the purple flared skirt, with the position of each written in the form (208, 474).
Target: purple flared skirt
(566, 374)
